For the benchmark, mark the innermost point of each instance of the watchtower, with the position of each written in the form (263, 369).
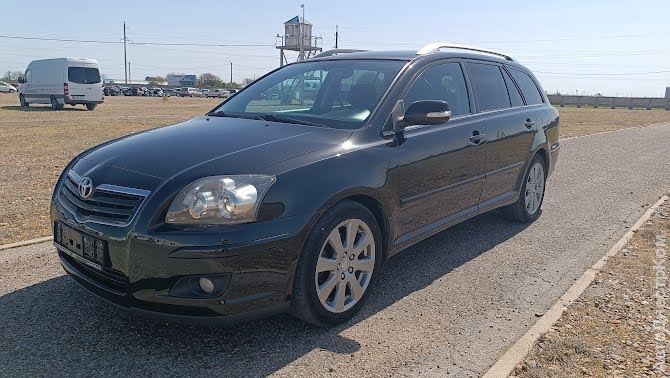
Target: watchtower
(297, 37)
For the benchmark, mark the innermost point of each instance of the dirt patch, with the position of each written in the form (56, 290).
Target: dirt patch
(584, 121)
(610, 330)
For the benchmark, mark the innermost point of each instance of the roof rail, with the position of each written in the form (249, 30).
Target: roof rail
(336, 52)
(435, 47)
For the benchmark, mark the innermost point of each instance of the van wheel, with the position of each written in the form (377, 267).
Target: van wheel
(11, 91)
(337, 266)
(527, 207)
(55, 105)
(23, 101)
(90, 106)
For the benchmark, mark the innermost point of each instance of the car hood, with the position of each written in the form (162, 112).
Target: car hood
(214, 146)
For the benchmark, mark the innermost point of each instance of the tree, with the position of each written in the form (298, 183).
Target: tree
(247, 81)
(11, 76)
(208, 80)
(155, 80)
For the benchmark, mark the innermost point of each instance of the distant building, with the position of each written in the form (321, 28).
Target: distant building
(179, 80)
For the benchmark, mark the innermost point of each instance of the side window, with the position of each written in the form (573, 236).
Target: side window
(513, 91)
(528, 87)
(444, 82)
(29, 76)
(489, 86)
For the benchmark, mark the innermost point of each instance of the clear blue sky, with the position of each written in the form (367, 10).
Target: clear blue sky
(609, 47)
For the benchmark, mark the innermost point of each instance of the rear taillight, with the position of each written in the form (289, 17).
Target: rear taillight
(66, 91)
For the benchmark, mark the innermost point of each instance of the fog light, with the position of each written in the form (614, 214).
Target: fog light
(206, 285)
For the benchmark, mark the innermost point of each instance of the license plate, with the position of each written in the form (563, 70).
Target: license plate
(84, 248)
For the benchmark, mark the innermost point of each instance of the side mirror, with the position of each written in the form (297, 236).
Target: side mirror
(21, 80)
(427, 112)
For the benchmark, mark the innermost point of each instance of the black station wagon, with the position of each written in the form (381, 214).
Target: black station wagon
(290, 195)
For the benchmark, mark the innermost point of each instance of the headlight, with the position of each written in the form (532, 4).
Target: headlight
(220, 200)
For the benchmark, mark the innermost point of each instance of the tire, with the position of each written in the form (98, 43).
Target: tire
(11, 91)
(91, 106)
(55, 105)
(532, 190)
(23, 101)
(346, 276)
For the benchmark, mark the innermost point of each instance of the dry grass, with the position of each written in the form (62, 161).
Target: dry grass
(35, 144)
(609, 331)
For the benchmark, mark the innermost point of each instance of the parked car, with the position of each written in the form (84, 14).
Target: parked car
(111, 90)
(254, 210)
(190, 92)
(6, 87)
(220, 93)
(156, 92)
(204, 92)
(127, 91)
(62, 81)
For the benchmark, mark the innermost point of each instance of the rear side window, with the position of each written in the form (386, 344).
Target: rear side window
(528, 87)
(513, 91)
(83, 75)
(444, 82)
(489, 86)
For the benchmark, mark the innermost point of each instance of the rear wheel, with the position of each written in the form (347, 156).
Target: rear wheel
(337, 266)
(23, 101)
(90, 106)
(527, 207)
(11, 91)
(55, 105)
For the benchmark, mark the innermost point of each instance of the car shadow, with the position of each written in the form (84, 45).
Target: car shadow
(40, 108)
(57, 328)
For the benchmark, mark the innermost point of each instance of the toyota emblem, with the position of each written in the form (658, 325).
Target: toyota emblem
(85, 187)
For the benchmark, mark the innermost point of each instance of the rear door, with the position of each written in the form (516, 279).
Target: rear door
(509, 131)
(84, 83)
(440, 167)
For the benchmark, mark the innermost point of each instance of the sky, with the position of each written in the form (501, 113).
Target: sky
(609, 47)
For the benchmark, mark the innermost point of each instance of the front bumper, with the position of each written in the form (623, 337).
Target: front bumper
(257, 262)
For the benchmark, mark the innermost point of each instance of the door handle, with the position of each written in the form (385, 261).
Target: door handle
(529, 123)
(477, 138)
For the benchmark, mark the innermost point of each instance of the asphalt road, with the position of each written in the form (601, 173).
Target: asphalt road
(450, 305)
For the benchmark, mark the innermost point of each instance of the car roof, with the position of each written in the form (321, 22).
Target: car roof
(409, 55)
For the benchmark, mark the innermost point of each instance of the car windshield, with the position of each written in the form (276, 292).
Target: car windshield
(336, 93)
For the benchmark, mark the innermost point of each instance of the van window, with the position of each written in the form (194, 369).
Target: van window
(83, 75)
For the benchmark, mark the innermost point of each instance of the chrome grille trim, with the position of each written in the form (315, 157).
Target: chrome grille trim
(109, 204)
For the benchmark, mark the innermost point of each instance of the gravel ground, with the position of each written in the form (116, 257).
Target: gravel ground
(448, 306)
(609, 331)
(37, 143)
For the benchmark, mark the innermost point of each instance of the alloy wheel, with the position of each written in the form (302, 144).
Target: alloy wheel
(345, 265)
(534, 188)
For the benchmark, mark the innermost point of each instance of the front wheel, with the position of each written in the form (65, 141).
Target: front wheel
(23, 101)
(11, 91)
(527, 207)
(337, 266)
(90, 106)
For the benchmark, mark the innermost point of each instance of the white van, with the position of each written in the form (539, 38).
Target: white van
(62, 81)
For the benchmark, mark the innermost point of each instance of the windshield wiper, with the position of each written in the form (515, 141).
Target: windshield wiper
(230, 115)
(278, 118)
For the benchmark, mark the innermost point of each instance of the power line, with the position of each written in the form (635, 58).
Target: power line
(137, 43)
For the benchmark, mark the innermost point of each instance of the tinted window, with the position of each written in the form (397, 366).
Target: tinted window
(513, 91)
(83, 75)
(528, 87)
(489, 86)
(444, 82)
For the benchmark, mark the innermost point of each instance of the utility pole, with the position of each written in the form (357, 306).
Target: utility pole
(336, 36)
(128, 78)
(231, 72)
(125, 59)
(302, 34)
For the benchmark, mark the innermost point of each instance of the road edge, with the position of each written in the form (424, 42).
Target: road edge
(517, 352)
(25, 242)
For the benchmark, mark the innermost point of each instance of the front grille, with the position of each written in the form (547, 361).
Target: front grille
(108, 277)
(108, 204)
